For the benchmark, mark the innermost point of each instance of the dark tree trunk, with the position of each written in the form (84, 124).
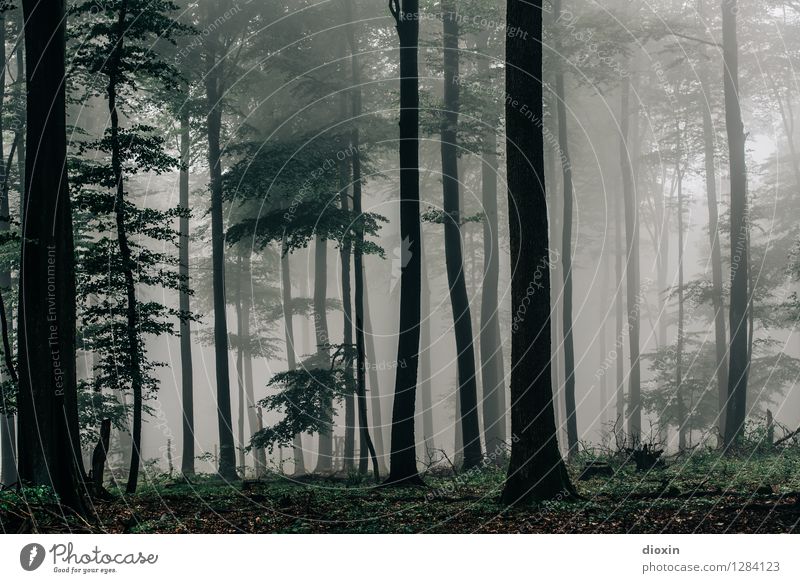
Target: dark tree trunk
(366, 447)
(126, 256)
(632, 267)
(465, 353)
(347, 325)
(491, 347)
(325, 449)
(99, 457)
(8, 464)
(717, 303)
(187, 381)
(403, 464)
(374, 386)
(253, 412)
(425, 385)
(49, 440)
(240, 368)
(739, 364)
(214, 92)
(536, 470)
(619, 317)
(682, 411)
(288, 328)
(566, 251)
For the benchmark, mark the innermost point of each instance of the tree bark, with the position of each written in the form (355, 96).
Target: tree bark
(288, 329)
(739, 364)
(462, 319)
(347, 326)
(717, 302)
(49, 440)
(187, 380)
(536, 470)
(8, 463)
(374, 385)
(325, 449)
(491, 347)
(403, 463)
(214, 92)
(566, 251)
(632, 268)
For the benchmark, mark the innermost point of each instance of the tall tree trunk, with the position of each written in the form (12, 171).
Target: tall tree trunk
(603, 332)
(187, 380)
(49, 439)
(214, 92)
(465, 353)
(619, 320)
(347, 326)
(8, 464)
(403, 464)
(566, 251)
(632, 267)
(536, 470)
(288, 328)
(126, 256)
(682, 420)
(425, 372)
(374, 386)
(325, 448)
(739, 364)
(240, 367)
(491, 347)
(254, 421)
(717, 303)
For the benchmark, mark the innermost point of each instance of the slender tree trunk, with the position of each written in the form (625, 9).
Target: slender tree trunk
(347, 325)
(187, 380)
(604, 399)
(240, 366)
(214, 92)
(403, 465)
(717, 302)
(619, 312)
(465, 353)
(566, 251)
(632, 267)
(49, 440)
(366, 447)
(536, 470)
(288, 328)
(254, 421)
(739, 364)
(680, 396)
(374, 385)
(8, 464)
(126, 256)
(425, 373)
(491, 347)
(325, 449)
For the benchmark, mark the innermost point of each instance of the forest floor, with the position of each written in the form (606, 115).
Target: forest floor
(700, 493)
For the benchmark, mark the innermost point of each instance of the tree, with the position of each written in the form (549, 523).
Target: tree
(738, 360)
(491, 346)
(187, 380)
(566, 248)
(632, 279)
(120, 56)
(462, 320)
(215, 85)
(403, 460)
(536, 470)
(49, 440)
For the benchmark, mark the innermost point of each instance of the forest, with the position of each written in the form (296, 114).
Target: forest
(416, 266)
